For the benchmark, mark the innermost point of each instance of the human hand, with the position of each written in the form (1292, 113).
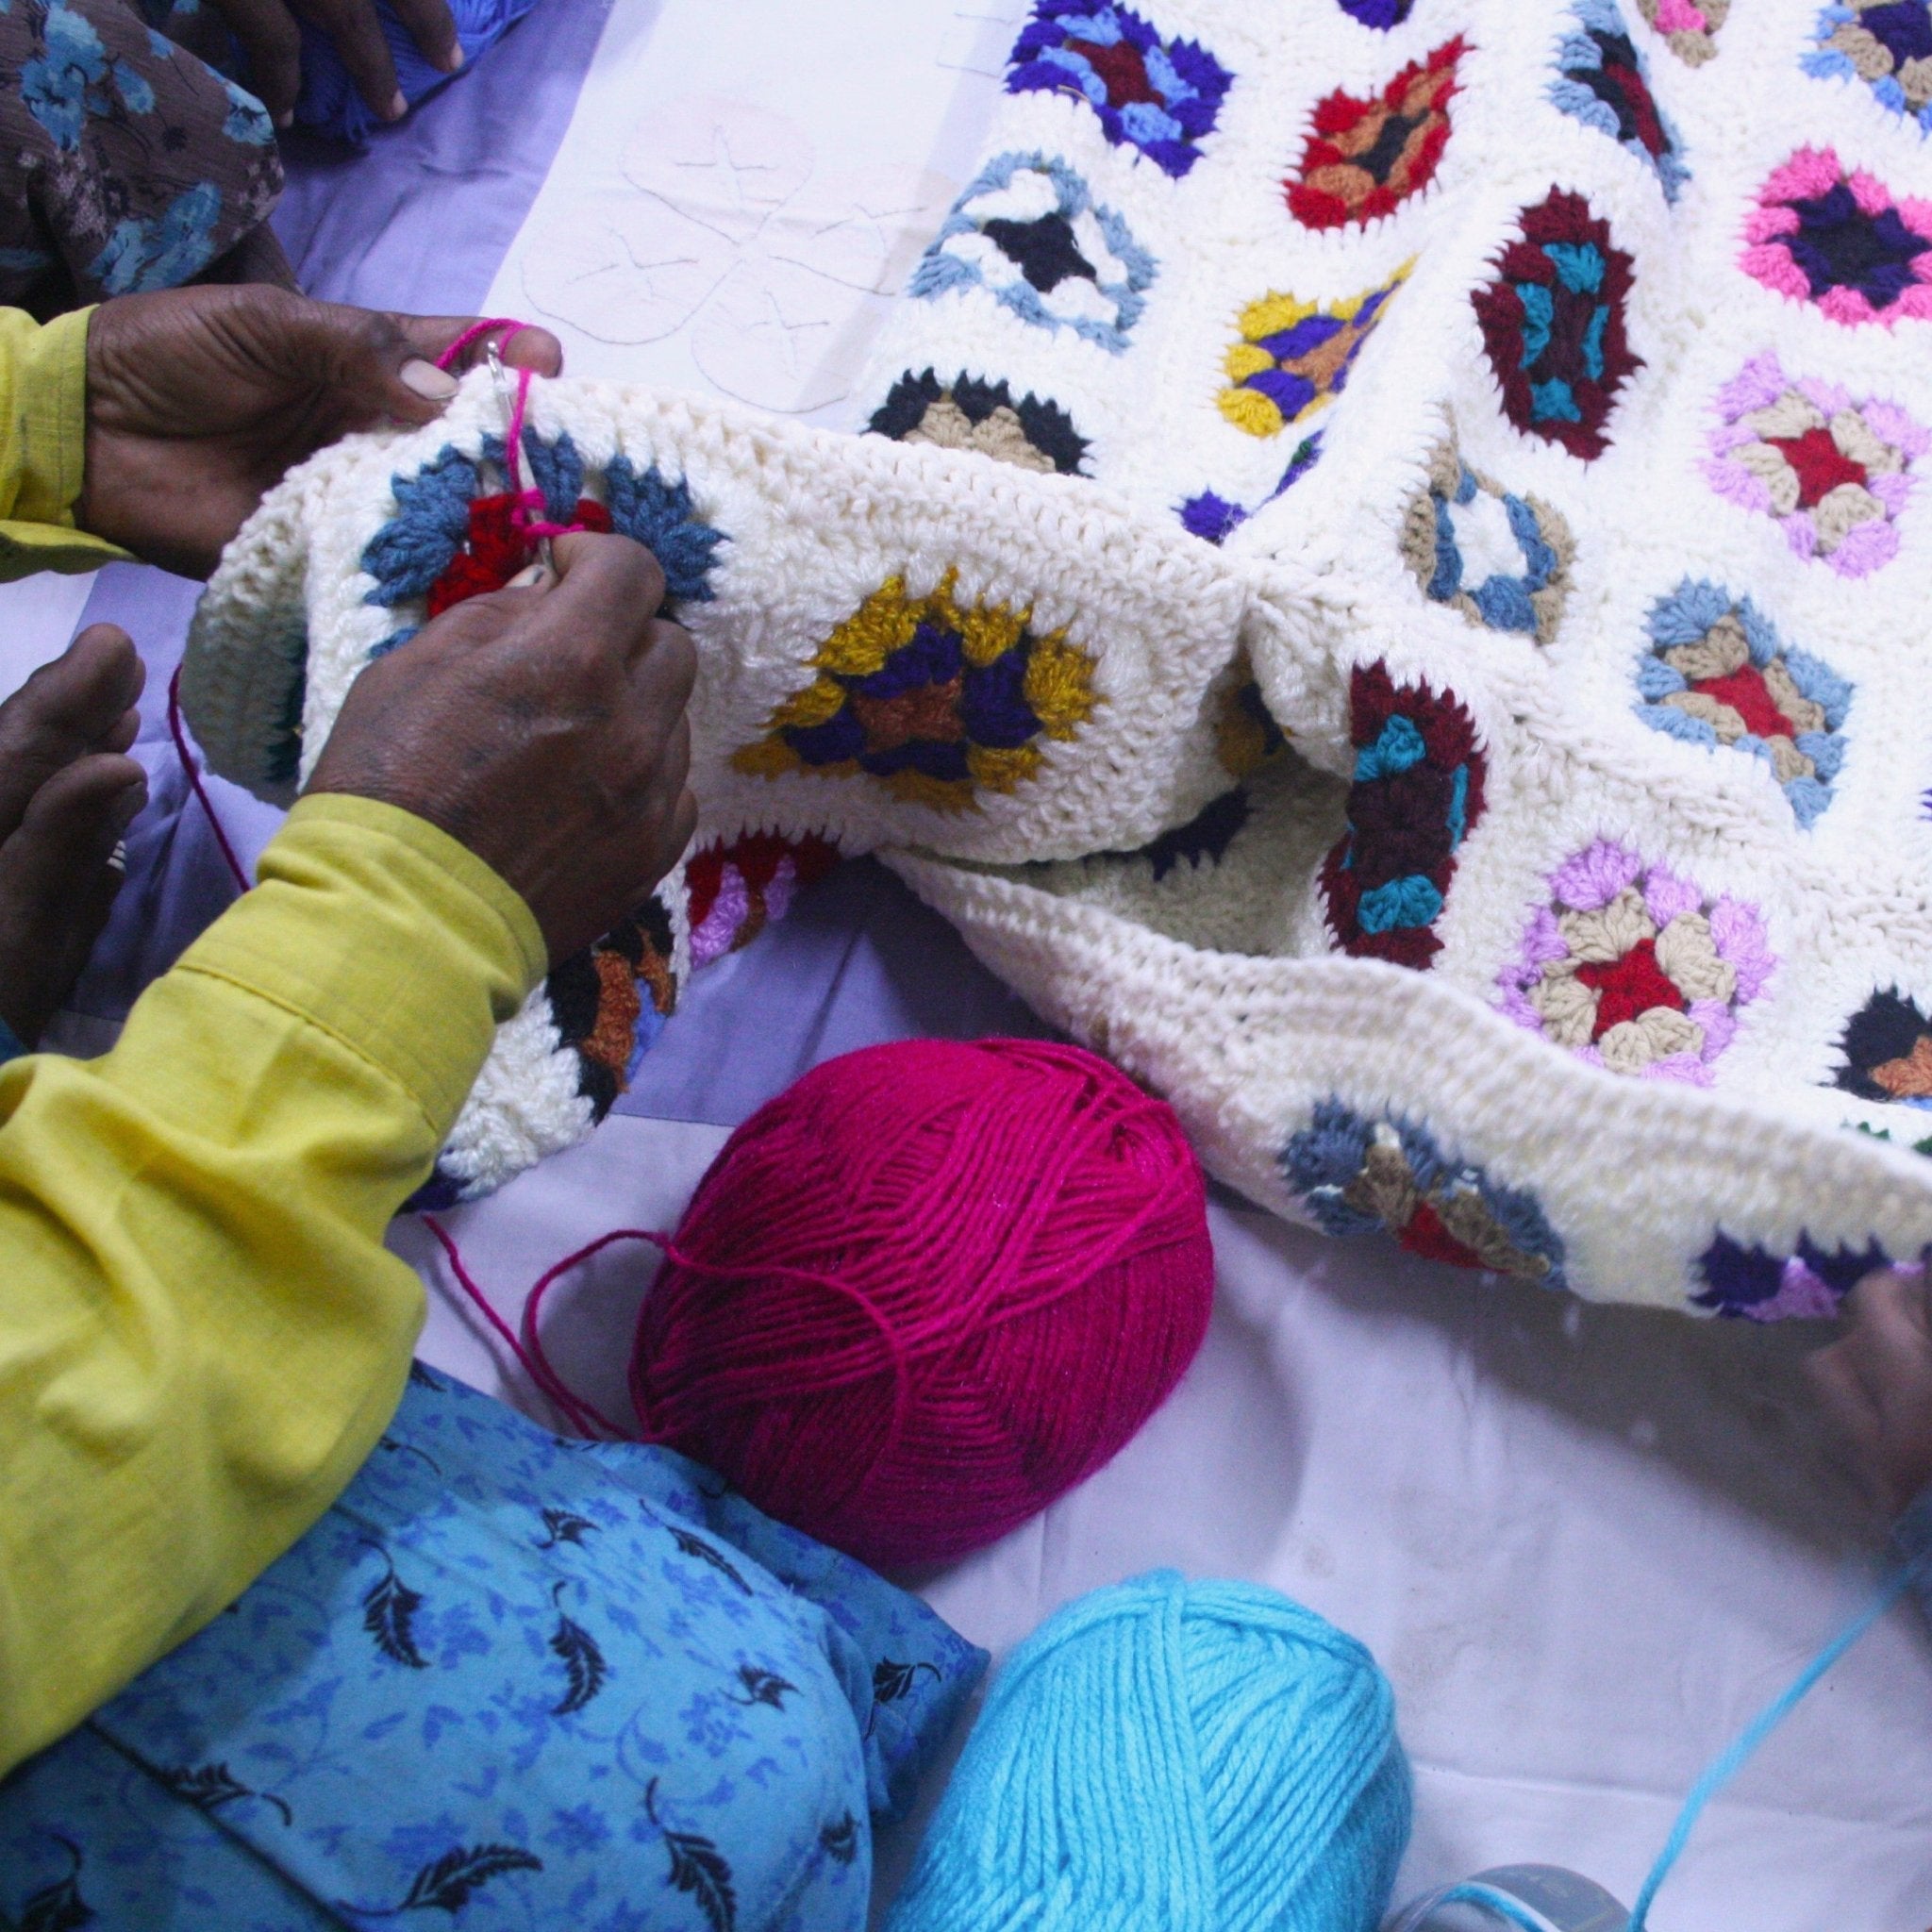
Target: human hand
(68, 791)
(1876, 1383)
(544, 729)
(200, 399)
(271, 35)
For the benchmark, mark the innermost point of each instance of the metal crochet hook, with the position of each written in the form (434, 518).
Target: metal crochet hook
(499, 378)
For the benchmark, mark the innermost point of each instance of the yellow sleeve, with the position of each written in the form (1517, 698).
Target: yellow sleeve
(201, 1335)
(42, 446)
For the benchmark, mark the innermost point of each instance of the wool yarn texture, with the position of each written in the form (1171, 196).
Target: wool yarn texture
(927, 1289)
(1383, 591)
(1197, 1756)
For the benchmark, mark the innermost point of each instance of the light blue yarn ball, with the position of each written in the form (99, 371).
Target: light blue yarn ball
(1171, 1757)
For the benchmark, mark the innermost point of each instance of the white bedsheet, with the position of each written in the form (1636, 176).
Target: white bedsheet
(740, 190)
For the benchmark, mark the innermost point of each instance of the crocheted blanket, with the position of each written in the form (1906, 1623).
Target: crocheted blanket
(1386, 591)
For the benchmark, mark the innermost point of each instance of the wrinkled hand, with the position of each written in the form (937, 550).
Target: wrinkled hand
(1876, 1384)
(544, 729)
(199, 400)
(271, 36)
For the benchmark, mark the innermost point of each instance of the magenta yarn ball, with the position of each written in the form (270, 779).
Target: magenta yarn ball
(927, 1289)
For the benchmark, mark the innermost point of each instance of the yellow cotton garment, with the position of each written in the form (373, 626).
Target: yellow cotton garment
(43, 445)
(201, 1335)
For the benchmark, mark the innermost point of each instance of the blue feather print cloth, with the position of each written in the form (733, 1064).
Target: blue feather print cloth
(508, 1681)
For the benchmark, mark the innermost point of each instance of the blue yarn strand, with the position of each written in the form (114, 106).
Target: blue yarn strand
(1472, 1892)
(1727, 1766)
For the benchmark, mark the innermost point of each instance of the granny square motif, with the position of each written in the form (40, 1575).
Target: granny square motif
(1385, 588)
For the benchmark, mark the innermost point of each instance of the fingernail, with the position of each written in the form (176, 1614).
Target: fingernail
(455, 62)
(286, 119)
(433, 384)
(533, 577)
(397, 107)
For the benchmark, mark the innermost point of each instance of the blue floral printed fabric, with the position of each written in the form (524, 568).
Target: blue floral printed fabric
(126, 162)
(508, 1681)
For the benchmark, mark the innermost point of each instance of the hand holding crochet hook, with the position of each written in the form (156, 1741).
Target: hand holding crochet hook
(199, 400)
(568, 772)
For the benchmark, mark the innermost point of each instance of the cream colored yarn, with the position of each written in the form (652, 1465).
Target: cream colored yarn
(1499, 1105)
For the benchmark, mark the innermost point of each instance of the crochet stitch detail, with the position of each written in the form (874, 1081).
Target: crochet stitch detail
(734, 891)
(1887, 1050)
(1381, 14)
(1553, 324)
(1763, 1287)
(1203, 840)
(1367, 156)
(1502, 560)
(610, 1003)
(1215, 519)
(1660, 619)
(1887, 44)
(968, 413)
(1159, 96)
(935, 701)
(1247, 737)
(449, 540)
(1836, 237)
(1417, 793)
(1636, 970)
(1028, 231)
(1601, 80)
(1361, 1177)
(1717, 673)
(1689, 27)
(1293, 356)
(1835, 473)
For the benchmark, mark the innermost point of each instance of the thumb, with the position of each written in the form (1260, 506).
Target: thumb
(376, 370)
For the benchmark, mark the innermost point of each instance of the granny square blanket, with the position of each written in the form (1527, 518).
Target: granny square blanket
(1386, 589)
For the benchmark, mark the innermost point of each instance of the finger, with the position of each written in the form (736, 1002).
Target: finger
(126, 728)
(371, 369)
(355, 30)
(665, 672)
(433, 27)
(520, 344)
(76, 704)
(74, 823)
(1854, 1426)
(684, 826)
(1889, 1327)
(671, 768)
(607, 585)
(272, 43)
(120, 735)
(680, 827)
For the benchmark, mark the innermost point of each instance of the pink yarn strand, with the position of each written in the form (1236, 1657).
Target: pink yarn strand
(529, 1353)
(475, 334)
(514, 438)
(178, 731)
(533, 529)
